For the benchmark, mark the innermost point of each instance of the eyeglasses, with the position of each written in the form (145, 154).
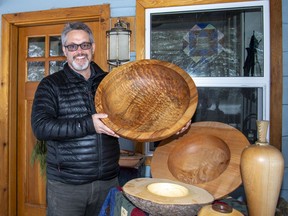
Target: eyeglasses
(74, 47)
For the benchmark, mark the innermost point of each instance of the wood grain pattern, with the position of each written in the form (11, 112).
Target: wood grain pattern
(147, 100)
(199, 160)
(226, 176)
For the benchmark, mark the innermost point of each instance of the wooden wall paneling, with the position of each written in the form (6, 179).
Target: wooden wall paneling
(7, 120)
(12, 123)
(171, 3)
(276, 71)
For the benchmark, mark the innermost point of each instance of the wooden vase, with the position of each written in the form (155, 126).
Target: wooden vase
(262, 168)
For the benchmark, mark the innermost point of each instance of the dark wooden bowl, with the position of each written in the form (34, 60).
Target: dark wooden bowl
(147, 100)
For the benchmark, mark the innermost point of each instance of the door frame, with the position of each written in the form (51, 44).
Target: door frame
(8, 84)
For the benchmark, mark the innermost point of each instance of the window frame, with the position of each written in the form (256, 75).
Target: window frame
(258, 82)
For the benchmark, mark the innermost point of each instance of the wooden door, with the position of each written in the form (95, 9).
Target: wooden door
(40, 54)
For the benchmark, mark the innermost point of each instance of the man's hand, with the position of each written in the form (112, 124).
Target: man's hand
(100, 127)
(184, 128)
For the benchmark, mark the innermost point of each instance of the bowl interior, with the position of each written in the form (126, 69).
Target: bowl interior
(147, 100)
(202, 159)
(168, 189)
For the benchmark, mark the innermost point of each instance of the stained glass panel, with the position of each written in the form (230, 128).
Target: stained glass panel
(210, 43)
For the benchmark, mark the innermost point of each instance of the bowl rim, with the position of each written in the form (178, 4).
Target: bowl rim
(149, 136)
(139, 188)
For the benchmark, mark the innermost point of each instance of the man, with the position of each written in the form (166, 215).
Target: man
(82, 153)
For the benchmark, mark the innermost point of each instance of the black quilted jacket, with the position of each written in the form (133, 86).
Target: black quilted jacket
(61, 116)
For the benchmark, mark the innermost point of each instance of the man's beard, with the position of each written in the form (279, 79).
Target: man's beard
(81, 67)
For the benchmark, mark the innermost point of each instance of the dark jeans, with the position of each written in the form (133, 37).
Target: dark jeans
(77, 200)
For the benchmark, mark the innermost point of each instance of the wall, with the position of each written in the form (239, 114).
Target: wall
(118, 7)
(127, 8)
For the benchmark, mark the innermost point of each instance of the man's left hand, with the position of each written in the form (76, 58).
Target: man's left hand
(184, 128)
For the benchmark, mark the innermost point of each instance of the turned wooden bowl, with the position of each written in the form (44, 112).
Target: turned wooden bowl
(147, 100)
(164, 197)
(207, 156)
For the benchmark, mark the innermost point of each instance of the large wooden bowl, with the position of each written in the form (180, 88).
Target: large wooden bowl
(163, 197)
(207, 156)
(147, 100)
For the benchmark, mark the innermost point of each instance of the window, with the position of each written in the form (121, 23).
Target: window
(224, 47)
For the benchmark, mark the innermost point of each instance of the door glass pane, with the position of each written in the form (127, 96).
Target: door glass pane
(55, 46)
(36, 47)
(210, 43)
(55, 66)
(35, 71)
(238, 107)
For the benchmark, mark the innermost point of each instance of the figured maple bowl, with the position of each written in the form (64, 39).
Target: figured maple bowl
(147, 100)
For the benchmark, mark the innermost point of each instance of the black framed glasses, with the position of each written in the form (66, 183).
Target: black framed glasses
(74, 47)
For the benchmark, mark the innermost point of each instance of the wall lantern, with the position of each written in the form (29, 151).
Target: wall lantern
(118, 44)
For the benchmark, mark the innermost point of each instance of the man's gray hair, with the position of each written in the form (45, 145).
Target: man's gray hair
(75, 26)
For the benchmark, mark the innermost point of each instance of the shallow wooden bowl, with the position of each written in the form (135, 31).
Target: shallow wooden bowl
(207, 156)
(165, 197)
(147, 100)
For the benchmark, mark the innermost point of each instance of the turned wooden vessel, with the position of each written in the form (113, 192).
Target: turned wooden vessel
(207, 156)
(163, 197)
(262, 168)
(147, 100)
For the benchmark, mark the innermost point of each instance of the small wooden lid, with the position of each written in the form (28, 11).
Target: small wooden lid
(219, 209)
(147, 100)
